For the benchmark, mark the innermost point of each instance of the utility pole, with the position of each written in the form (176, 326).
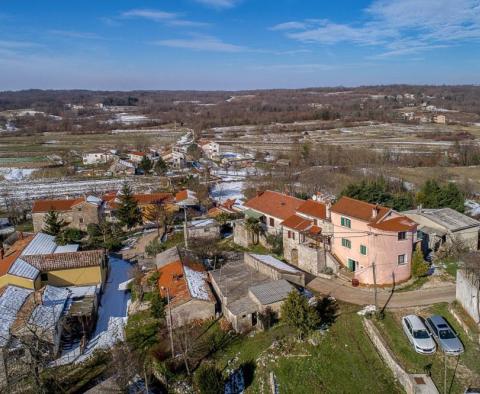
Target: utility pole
(375, 286)
(185, 230)
(445, 373)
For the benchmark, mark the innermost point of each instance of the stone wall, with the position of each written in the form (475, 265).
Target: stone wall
(382, 348)
(192, 310)
(297, 278)
(468, 294)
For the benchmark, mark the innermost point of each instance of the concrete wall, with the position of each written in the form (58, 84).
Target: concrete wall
(192, 310)
(272, 272)
(468, 294)
(241, 236)
(76, 277)
(208, 232)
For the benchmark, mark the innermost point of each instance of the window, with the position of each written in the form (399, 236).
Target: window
(402, 259)
(81, 220)
(289, 234)
(315, 222)
(419, 235)
(272, 222)
(346, 243)
(44, 277)
(402, 235)
(293, 235)
(363, 250)
(345, 222)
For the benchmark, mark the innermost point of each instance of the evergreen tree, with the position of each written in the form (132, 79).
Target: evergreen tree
(433, 195)
(160, 166)
(208, 379)
(53, 225)
(419, 267)
(298, 314)
(146, 164)
(128, 212)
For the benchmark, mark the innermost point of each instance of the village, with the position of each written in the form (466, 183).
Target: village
(183, 272)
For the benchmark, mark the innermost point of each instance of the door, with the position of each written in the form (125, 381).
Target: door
(254, 319)
(352, 265)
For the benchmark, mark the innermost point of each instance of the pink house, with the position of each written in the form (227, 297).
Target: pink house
(365, 234)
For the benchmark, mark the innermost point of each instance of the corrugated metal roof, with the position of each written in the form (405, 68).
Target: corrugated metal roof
(11, 301)
(271, 292)
(46, 314)
(22, 268)
(66, 248)
(41, 244)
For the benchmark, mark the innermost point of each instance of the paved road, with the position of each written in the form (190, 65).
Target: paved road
(343, 291)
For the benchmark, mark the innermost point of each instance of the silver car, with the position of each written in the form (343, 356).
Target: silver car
(444, 335)
(418, 334)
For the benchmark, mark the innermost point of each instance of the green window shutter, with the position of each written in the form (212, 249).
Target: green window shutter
(346, 243)
(363, 250)
(342, 221)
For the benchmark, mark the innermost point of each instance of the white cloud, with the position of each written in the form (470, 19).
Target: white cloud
(219, 3)
(169, 18)
(201, 43)
(289, 26)
(399, 27)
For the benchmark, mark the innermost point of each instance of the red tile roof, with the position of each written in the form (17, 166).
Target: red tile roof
(297, 223)
(13, 252)
(69, 260)
(55, 205)
(313, 208)
(359, 209)
(274, 204)
(172, 277)
(364, 211)
(142, 199)
(399, 223)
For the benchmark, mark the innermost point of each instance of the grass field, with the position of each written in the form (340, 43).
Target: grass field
(342, 361)
(459, 376)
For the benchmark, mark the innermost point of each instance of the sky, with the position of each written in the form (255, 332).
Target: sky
(236, 44)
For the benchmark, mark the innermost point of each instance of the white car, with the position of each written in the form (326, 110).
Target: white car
(418, 335)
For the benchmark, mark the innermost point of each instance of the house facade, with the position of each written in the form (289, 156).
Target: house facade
(97, 158)
(76, 213)
(371, 240)
(210, 148)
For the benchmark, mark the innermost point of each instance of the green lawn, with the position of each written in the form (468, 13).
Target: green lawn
(413, 362)
(343, 360)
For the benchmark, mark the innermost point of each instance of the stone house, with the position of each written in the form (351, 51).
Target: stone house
(210, 148)
(77, 213)
(185, 284)
(366, 234)
(245, 292)
(97, 158)
(306, 237)
(443, 226)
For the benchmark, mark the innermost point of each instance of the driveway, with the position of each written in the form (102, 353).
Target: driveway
(343, 291)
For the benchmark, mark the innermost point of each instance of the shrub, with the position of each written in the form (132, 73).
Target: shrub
(419, 266)
(154, 247)
(208, 379)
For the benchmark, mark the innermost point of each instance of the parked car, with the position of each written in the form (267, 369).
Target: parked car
(418, 335)
(446, 338)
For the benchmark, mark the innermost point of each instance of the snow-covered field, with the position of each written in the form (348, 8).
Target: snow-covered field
(28, 190)
(126, 118)
(16, 174)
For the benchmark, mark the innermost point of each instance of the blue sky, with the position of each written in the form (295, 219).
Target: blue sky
(236, 44)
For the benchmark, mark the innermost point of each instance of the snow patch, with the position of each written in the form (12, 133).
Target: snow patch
(197, 283)
(16, 174)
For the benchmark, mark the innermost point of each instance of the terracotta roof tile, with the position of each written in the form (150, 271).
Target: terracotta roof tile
(70, 260)
(399, 223)
(13, 252)
(359, 209)
(275, 204)
(313, 208)
(55, 205)
(297, 223)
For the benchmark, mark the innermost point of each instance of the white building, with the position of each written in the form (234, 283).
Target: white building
(97, 158)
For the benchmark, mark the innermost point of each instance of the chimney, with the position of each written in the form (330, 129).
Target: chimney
(2, 253)
(21, 234)
(375, 211)
(328, 210)
(419, 208)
